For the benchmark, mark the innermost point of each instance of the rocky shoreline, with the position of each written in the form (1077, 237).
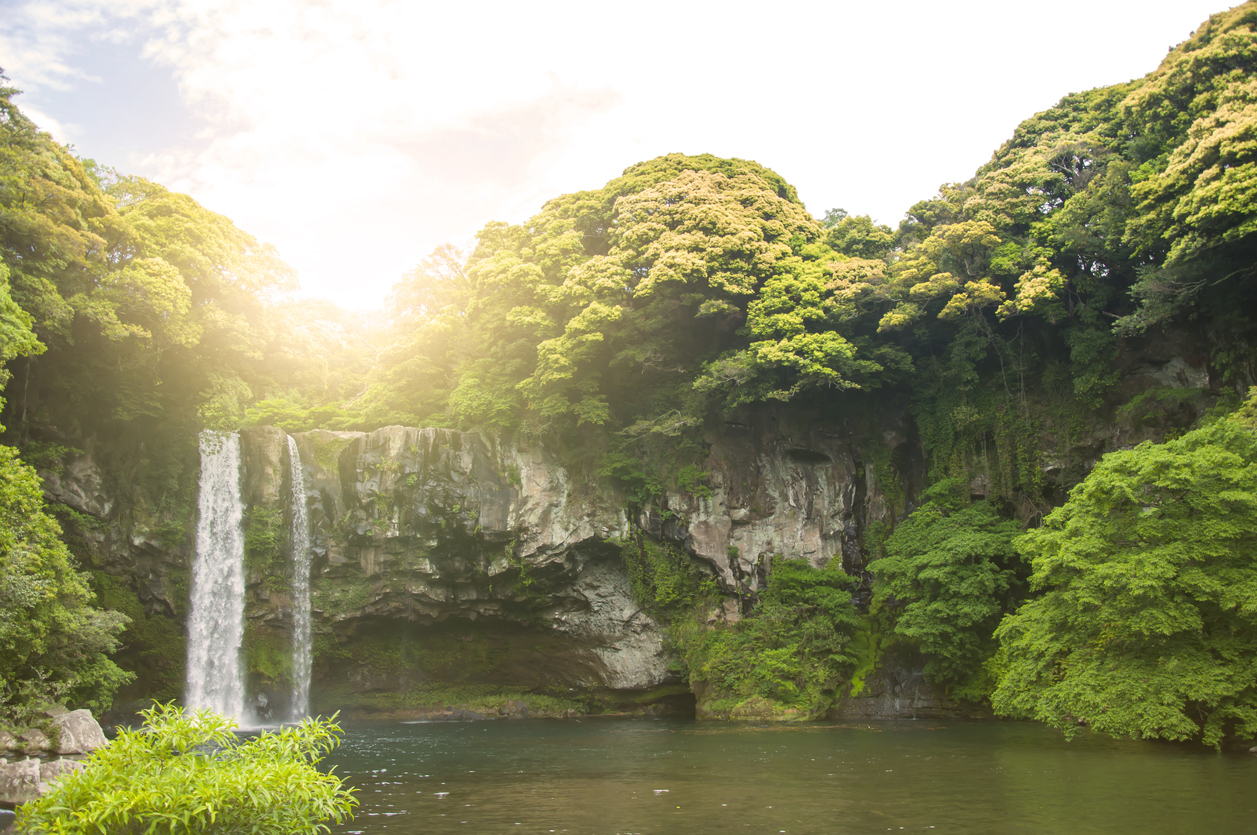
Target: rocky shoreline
(47, 756)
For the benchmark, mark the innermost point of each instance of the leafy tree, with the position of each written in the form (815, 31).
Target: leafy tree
(182, 774)
(17, 339)
(640, 286)
(858, 236)
(1147, 621)
(793, 650)
(157, 315)
(413, 378)
(54, 644)
(949, 574)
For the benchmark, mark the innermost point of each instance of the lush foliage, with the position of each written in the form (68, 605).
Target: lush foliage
(138, 317)
(184, 774)
(949, 574)
(54, 644)
(1147, 621)
(789, 658)
(619, 325)
(627, 307)
(664, 580)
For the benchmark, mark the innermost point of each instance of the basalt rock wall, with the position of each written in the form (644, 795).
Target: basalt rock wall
(454, 557)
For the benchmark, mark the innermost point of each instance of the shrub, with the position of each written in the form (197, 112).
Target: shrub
(949, 574)
(54, 643)
(188, 773)
(791, 653)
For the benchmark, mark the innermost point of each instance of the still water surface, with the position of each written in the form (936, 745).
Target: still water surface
(657, 777)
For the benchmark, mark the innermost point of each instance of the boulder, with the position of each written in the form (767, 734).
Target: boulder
(34, 741)
(80, 732)
(53, 770)
(8, 742)
(19, 782)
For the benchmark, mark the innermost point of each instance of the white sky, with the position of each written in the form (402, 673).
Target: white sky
(357, 135)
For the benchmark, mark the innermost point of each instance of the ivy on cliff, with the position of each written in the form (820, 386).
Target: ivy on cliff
(789, 658)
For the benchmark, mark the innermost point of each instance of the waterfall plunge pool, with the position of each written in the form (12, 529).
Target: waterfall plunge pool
(670, 776)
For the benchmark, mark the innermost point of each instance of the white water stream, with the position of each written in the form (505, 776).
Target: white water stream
(216, 623)
(301, 653)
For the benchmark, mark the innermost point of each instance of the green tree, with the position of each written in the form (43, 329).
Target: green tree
(184, 774)
(858, 236)
(54, 644)
(630, 290)
(949, 574)
(1147, 621)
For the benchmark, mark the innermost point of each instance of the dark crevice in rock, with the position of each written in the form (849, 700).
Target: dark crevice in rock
(798, 455)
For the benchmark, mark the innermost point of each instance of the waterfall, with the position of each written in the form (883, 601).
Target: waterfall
(301, 655)
(216, 622)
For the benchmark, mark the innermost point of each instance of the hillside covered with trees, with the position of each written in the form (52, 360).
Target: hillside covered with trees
(621, 327)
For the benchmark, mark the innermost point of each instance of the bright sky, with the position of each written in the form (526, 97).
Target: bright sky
(357, 135)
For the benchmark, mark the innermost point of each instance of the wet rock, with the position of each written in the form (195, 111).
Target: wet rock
(34, 741)
(627, 640)
(899, 690)
(19, 782)
(263, 451)
(80, 485)
(80, 732)
(53, 770)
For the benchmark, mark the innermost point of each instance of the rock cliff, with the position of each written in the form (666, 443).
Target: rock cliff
(445, 557)
(448, 562)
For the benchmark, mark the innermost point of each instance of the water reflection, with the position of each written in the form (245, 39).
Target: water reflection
(597, 776)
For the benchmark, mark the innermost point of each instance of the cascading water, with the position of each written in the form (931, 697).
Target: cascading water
(216, 622)
(301, 654)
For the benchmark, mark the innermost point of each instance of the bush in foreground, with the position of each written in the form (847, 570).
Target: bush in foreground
(183, 774)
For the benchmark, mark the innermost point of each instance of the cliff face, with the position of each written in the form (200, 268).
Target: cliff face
(448, 559)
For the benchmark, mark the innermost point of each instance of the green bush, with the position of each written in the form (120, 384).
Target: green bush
(184, 774)
(792, 653)
(949, 574)
(54, 644)
(1147, 623)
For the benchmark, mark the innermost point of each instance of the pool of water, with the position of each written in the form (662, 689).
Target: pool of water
(655, 777)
